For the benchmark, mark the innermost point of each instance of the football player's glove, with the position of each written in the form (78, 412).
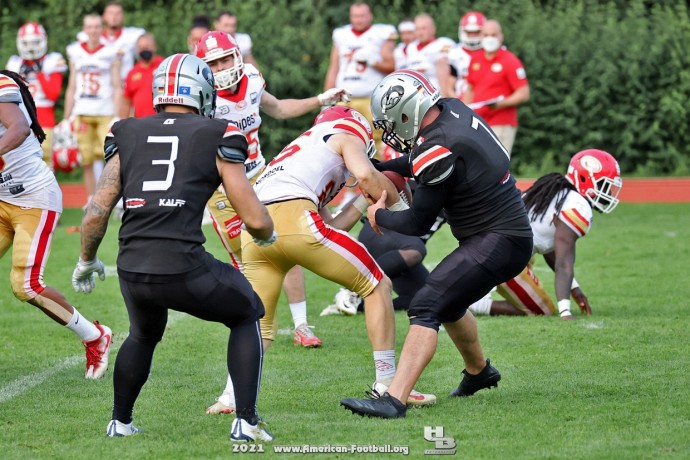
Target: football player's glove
(83, 277)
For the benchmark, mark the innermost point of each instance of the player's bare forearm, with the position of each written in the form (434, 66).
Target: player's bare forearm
(95, 221)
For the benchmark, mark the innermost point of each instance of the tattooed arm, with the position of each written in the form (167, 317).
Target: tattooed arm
(95, 221)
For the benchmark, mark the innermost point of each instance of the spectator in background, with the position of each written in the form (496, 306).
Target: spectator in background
(469, 33)
(406, 31)
(137, 91)
(496, 85)
(227, 22)
(93, 95)
(200, 25)
(428, 55)
(43, 74)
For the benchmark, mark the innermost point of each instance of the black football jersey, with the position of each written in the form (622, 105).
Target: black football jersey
(168, 173)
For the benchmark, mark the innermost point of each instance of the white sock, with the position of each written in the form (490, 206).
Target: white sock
(384, 362)
(83, 327)
(482, 307)
(97, 169)
(228, 396)
(299, 312)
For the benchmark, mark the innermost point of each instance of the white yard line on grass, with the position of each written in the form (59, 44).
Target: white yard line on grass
(26, 382)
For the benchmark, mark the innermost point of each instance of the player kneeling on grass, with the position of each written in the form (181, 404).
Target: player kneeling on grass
(166, 167)
(560, 213)
(30, 207)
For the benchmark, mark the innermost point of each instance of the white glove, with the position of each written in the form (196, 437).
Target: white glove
(268, 242)
(83, 279)
(333, 96)
(371, 57)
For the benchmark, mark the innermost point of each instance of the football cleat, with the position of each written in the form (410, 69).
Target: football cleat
(305, 337)
(470, 384)
(97, 352)
(118, 429)
(347, 301)
(243, 431)
(415, 399)
(331, 310)
(382, 406)
(225, 404)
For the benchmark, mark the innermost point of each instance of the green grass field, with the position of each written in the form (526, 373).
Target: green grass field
(613, 385)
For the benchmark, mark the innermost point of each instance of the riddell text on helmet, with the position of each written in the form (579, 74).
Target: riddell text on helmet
(170, 100)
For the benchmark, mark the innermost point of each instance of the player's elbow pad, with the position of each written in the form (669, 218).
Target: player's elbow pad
(231, 154)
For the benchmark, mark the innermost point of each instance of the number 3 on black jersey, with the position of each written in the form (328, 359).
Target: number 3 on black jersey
(162, 185)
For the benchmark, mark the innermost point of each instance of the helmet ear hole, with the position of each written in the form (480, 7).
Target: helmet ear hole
(404, 118)
(583, 178)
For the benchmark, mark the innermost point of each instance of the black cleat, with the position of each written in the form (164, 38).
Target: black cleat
(470, 384)
(385, 406)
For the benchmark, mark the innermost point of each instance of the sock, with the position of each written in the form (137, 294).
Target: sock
(384, 362)
(299, 312)
(392, 263)
(228, 396)
(83, 327)
(245, 356)
(132, 368)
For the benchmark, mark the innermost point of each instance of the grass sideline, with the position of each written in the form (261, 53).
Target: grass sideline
(614, 385)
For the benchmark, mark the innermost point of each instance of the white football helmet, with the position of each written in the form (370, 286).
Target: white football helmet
(32, 41)
(398, 104)
(215, 45)
(183, 79)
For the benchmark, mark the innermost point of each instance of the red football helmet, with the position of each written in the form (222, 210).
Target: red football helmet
(32, 41)
(468, 30)
(215, 45)
(597, 177)
(65, 153)
(338, 112)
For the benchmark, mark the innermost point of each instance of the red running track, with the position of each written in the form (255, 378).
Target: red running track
(643, 190)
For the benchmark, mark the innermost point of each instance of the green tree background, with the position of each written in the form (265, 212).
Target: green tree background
(613, 75)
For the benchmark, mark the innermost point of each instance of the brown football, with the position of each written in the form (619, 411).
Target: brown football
(400, 185)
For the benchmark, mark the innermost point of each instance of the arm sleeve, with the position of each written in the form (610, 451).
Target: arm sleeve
(416, 221)
(51, 84)
(400, 165)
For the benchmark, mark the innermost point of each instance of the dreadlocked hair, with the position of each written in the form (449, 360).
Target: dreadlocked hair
(538, 197)
(28, 102)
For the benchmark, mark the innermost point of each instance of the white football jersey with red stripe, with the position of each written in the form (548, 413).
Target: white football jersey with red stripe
(25, 179)
(242, 110)
(51, 63)
(576, 213)
(423, 58)
(357, 77)
(308, 167)
(125, 41)
(94, 83)
(460, 60)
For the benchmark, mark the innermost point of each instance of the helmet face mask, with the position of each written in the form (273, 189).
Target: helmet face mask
(596, 176)
(183, 79)
(469, 30)
(216, 45)
(398, 104)
(32, 41)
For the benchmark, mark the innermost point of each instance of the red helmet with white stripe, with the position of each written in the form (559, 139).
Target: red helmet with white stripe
(183, 79)
(597, 177)
(468, 30)
(360, 127)
(399, 103)
(65, 154)
(32, 41)
(215, 45)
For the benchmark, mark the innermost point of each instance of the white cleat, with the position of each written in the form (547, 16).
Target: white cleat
(347, 301)
(225, 404)
(243, 431)
(118, 429)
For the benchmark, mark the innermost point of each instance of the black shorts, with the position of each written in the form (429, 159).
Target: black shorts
(215, 291)
(466, 275)
(378, 245)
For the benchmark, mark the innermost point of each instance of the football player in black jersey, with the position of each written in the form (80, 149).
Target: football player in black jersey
(462, 168)
(165, 167)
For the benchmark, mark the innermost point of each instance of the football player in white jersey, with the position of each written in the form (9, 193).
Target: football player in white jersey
(241, 99)
(92, 96)
(560, 212)
(43, 73)
(428, 55)
(295, 187)
(115, 34)
(227, 22)
(30, 207)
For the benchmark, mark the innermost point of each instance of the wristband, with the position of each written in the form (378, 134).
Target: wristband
(574, 284)
(564, 307)
(399, 205)
(361, 203)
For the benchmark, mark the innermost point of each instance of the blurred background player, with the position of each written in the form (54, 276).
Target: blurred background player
(227, 22)
(406, 32)
(92, 96)
(43, 73)
(560, 212)
(459, 57)
(241, 99)
(30, 207)
(428, 55)
(136, 94)
(200, 25)
(496, 85)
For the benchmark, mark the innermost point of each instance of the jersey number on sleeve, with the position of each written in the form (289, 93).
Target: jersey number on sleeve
(160, 185)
